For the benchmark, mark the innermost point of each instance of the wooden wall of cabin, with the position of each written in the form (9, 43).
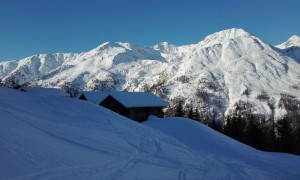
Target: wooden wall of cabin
(142, 114)
(113, 105)
(82, 97)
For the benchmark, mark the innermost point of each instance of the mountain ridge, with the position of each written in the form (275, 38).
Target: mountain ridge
(215, 74)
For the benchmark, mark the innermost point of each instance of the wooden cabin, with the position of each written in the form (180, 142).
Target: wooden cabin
(137, 106)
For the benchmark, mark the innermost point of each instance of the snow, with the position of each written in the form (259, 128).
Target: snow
(45, 91)
(223, 65)
(225, 150)
(52, 137)
(95, 96)
(138, 99)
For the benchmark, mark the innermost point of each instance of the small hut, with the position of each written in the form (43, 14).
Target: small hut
(134, 105)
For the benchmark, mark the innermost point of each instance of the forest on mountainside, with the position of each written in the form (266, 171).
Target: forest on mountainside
(281, 135)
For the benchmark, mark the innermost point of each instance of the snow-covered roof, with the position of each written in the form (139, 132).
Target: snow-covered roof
(95, 97)
(44, 91)
(128, 99)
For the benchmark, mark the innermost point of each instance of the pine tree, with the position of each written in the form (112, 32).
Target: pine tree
(179, 111)
(231, 127)
(216, 125)
(191, 114)
(253, 136)
(196, 115)
(297, 140)
(240, 125)
(270, 131)
(235, 128)
(227, 126)
(269, 137)
(285, 137)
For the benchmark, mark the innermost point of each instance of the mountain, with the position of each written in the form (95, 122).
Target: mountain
(225, 71)
(291, 47)
(48, 136)
(291, 42)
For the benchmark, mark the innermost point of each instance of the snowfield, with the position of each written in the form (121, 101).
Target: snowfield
(56, 137)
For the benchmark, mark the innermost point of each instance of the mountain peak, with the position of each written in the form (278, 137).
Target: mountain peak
(229, 33)
(233, 32)
(164, 46)
(224, 35)
(107, 45)
(111, 44)
(292, 41)
(294, 37)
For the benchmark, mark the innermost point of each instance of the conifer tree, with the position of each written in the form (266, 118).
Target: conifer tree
(269, 137)
(179, 110)
(285, 137)
(253, 134)
(216, 125)
(196, 115)
(297, 140)
(240, 124)
(227, 125)
(191, 113)
(235, 128)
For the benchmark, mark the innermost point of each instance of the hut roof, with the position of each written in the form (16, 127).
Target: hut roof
(128, 99)
(94, 96)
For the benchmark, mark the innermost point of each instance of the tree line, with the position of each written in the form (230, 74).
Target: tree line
(282, 135)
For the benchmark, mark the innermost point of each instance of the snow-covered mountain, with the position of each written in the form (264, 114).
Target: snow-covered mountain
(48, 136)
(291, 47)
(226, 68)
(292, 41)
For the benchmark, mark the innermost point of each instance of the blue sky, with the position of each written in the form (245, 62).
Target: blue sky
(30, 27)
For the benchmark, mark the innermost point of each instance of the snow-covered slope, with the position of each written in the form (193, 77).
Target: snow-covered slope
(204, 140)
(56, 137)
(227, 67)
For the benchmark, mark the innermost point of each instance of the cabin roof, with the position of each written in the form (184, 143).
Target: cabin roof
(95, 97)
(128, 99)
(44, 91)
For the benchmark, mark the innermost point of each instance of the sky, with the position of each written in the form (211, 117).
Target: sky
(29, 27)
